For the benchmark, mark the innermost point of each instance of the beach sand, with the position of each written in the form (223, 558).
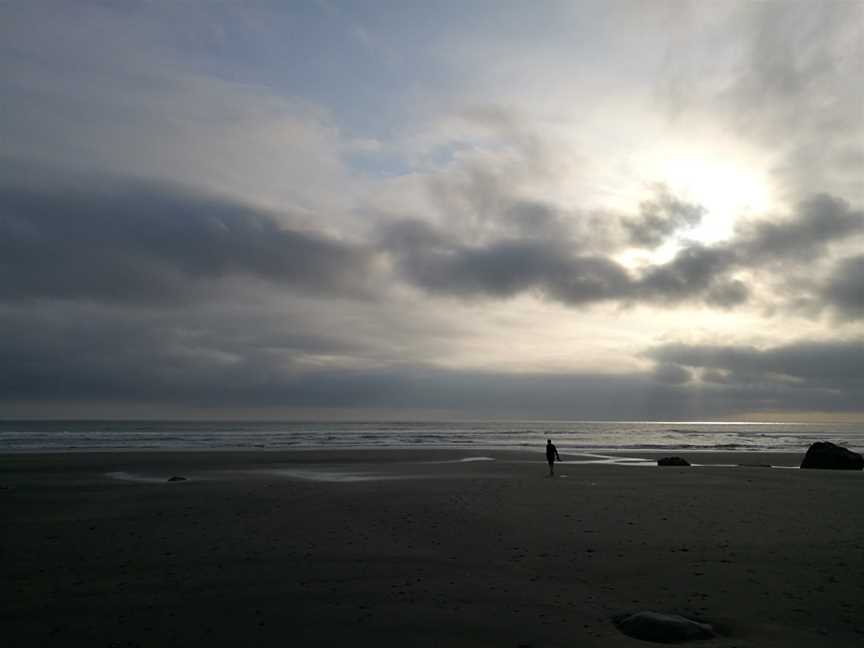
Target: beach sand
(405, 548)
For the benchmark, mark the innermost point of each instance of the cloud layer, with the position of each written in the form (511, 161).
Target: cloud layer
(585, 210)
(556, 267)
(133, 241)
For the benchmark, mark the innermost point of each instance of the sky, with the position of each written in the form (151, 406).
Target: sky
(579, 210)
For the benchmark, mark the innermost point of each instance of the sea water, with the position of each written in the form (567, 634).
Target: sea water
(573, 436)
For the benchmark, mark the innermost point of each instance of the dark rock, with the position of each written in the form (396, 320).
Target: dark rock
(662, 628)
(672, 461)
(823, 454)
(176, 478)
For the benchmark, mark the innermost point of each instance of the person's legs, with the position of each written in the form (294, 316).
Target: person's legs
(551, 468)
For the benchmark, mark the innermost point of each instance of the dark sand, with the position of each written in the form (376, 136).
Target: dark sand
(487, 553)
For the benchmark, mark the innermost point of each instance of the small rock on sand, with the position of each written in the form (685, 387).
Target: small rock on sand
(672, 461)
(662, 628)
(176, 478)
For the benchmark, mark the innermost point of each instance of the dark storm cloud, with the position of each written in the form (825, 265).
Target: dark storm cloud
(63, 350)
(431, 260)
(696, 270)
(823, 365)
(131, 241)
(556, 266)
(818, 221)
(844, 288)
(807, 375)
(671, 373)
(537, 220)
(660, 217)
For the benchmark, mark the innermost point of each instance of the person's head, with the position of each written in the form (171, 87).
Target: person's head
(548, 441)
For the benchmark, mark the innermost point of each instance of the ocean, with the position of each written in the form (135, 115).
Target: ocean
(573, 436)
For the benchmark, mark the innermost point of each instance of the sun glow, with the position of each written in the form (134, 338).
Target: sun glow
(726, 190)
(728, 180)
(730, 185)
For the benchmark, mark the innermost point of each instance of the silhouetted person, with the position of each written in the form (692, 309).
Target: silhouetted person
(551, 456)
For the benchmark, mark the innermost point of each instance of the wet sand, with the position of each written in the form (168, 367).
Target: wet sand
(405, 548)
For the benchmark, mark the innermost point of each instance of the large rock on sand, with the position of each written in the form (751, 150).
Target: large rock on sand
(824, 454)
(672, 461)
(662, 628)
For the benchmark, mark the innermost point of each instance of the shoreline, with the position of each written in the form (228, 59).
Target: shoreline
(537, 450)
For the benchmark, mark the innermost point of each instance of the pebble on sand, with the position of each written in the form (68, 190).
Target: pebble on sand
(672, 461)
(662, 628)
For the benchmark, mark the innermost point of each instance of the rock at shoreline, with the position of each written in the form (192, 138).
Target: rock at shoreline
(824, 454)
(663, 628)
(176, 478)
(672, 461)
